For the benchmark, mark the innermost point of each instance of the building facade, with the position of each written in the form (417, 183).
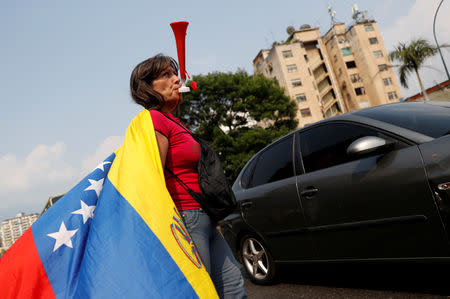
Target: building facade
(12, 229)
(344, 70)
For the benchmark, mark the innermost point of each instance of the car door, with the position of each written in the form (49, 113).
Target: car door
(375, 206)
(270, 203)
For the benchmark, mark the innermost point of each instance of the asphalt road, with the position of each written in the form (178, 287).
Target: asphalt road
(369, 281)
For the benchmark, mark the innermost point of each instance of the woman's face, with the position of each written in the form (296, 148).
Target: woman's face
(167, 85)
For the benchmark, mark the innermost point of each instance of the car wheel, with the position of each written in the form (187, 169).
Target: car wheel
(257, 261)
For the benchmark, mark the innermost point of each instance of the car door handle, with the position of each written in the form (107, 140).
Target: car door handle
(309, 192)
(246, 204)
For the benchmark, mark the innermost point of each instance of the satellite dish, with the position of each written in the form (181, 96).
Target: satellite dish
(290, 30)
(305, 26)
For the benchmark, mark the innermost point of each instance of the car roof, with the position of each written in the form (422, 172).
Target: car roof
(363, 116)
(404, 105)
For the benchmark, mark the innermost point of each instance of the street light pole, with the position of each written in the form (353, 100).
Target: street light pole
(439, 48)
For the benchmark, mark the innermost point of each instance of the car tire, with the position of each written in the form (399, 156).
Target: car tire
(257, 261)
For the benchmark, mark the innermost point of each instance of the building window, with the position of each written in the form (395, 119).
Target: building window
(359, 91)
(292, 68)
(350, 64)
(258, 65)
(335, 58)
(355, 78)
(346, 51)
(382, 67)
(305, 112)
(300, 97)
(306, 57)
(369, 27)
(287, 54)
(392, 95)
(269, 69)
(373, 40)
(387, 81)
(378, 54)
(296, 82)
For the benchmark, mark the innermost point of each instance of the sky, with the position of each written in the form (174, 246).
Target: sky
(65, 69)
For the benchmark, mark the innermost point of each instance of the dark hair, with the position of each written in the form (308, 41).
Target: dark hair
(142, 78)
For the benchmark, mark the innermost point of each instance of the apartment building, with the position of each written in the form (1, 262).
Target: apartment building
(344, 70)
(12, 229)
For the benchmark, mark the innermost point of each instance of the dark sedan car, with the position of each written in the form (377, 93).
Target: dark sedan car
(371, 185)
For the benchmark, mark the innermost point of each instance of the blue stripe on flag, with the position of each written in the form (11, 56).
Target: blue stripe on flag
(114, 254)
(62, 265)
(133, 263)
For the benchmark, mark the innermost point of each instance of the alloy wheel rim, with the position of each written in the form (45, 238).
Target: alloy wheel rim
(255, 258)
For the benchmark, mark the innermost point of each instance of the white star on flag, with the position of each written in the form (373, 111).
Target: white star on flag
(85, 211)
(100, 166)
(62, 236)
(97, 186)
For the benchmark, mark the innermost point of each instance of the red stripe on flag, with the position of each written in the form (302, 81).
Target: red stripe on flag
(21, 272)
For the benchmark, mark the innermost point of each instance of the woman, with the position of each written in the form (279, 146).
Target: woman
(154, 85)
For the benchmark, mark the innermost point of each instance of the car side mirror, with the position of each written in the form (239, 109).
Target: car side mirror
(369, 144)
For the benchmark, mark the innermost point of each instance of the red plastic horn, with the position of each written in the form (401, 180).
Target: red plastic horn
(179, 29)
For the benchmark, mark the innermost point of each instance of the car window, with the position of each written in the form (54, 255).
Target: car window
(247, 173)
(326, 145)
(428, 119)
(274, 164)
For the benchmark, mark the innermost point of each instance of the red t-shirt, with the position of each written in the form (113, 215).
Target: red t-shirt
(182, 159)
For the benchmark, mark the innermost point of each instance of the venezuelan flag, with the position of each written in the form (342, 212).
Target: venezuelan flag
(117, 234)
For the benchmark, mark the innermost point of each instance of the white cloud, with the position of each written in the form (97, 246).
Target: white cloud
(26, 184)
(418, 23)
(45, 164)
(106, 148)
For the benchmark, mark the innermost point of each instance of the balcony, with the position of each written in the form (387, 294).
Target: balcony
(319, 76)
(332, 110)
(324, 90)
(315, 63)
(328, 99)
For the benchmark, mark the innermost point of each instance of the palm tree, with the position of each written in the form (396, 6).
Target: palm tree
(411, 57)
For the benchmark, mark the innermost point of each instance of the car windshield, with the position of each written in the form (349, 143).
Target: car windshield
(431, 119)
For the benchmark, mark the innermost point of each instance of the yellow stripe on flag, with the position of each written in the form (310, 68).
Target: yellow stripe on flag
(138, 175)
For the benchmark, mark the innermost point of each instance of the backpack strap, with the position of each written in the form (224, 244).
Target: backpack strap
(177, 123)
(183, 184)
(191, 192)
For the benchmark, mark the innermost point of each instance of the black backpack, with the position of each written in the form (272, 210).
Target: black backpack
(217, 198)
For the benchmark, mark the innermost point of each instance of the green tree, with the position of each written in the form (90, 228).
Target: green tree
(411, 57)
(238, 115)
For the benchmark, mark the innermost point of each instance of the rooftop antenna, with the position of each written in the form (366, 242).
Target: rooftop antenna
(359, 16)
(355, 12)
(273, 37)
(332, 14)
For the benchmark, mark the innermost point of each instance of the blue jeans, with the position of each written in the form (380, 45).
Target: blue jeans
(215, 253)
